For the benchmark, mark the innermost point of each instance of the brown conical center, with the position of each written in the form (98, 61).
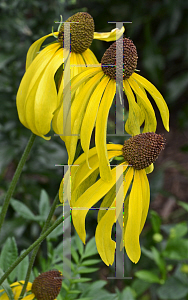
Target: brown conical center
(47, 285)
(143, 149)
(129, 59)
(81, 32)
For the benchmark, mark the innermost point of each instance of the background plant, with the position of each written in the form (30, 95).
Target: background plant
(159, 32)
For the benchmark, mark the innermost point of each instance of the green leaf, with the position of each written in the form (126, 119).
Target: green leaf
(81, 279)
(22, 268)
(56, 232)
(91, 262)
(65, 286)
(176, 249)
(140, 286)
(155, 221)
(44, 205)
(82, 270)
(160, 262)
(9, 254)
(179, 230)
(127, 294)
(22, 210)
(75, 292)
(173, 289)
(79, 244)
(90, 248)
(183, 204)
(148, 276)
(6, 287)
(85, 298)
(74, 255)
(147, 253)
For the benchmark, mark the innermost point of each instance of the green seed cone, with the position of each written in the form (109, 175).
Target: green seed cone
(129, 59)
(81, 32)
(143, 149)
(47, 285)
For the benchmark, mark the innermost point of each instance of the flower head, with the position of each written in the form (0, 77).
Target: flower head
(138, 154)
(41, 89)
(45, 287)
(90, 106)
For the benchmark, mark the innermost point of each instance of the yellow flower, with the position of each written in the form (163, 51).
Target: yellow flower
(16, 289)
(90, 106)
(41, 89)
(45, 287)
(138, 155)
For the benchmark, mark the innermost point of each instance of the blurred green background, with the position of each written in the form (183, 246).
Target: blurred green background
(159, 31)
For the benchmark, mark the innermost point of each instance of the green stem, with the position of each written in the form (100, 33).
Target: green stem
(35, 250)
(15, 178)
(38, 241)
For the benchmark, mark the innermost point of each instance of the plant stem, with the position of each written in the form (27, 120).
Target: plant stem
(38, 241)
(35, 250)
(15, 178)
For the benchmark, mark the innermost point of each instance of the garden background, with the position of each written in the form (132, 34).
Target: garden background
(159, 31)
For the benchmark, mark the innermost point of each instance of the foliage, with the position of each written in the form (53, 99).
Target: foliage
(159, 31)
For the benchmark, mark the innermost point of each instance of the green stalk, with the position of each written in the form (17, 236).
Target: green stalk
(35, 250)
(15, 178)
(37, 242)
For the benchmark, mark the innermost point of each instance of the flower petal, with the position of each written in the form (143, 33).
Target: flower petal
(145, 197)
(91, 114)
(149, 169)
(30, 78)
(87, 200)
(101, 128)
(132, 125)
(77, 112)
(29, 297)
(34, 49)
(132, 230)
(159, 100)
(64, 107)
(114, 35)
(150, 119)
(105, 245)
(46, 95)
(90, 58)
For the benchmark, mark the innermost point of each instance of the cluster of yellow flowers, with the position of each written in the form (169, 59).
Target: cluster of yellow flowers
(68, 89)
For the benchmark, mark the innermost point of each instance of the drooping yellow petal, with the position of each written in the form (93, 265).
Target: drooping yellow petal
(29, 297)
(30, 78)
(105, 245)
(132, 125)
(16, 289)
(113, 35)
(80, 64)
(29, 109)
(101, 128)
(64, 107)
(35, 47)
(90, 58)
(87, 200)
(132, 230)
(91, 114)
(159, 100)
(149, 169)
(106, 203)
(84, 171)
(116, 147)
(46, 95)
(145, 197)
(150, 119)
(77, 112)
(83, 186)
